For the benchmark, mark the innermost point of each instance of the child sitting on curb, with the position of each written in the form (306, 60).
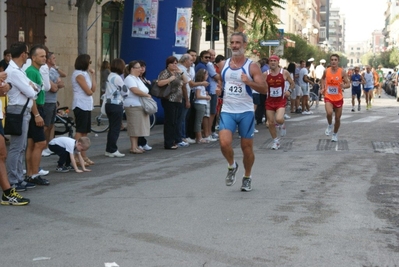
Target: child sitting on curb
(66, 148)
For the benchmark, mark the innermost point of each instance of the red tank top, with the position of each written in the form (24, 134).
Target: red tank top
(276, 86)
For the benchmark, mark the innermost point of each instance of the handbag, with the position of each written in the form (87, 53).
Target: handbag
(149, 105)
(13, 123)
(161, 92)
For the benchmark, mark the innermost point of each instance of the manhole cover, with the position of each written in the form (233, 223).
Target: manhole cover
(326, 144)
(386, 147)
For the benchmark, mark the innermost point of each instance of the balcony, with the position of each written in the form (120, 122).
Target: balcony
(295, 2)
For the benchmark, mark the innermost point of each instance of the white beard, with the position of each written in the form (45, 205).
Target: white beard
(240, 52)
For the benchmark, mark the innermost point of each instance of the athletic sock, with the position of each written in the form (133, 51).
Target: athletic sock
(232, 166)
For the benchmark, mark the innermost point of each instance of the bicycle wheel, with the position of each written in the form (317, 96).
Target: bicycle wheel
(99, 121)
(153, 121)
(312, 99)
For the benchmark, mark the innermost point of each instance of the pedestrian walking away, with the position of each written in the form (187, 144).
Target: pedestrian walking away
(239, 75)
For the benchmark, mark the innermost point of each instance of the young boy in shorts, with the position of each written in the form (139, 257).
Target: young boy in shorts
(66, 148)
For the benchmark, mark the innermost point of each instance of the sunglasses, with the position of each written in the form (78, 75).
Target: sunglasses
(207, 57)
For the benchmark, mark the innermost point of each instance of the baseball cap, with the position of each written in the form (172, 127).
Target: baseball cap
(323, 61)
(311, 59)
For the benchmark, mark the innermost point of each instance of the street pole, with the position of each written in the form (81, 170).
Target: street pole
(212, 45)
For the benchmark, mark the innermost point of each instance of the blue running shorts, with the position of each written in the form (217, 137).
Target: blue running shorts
(245, 122)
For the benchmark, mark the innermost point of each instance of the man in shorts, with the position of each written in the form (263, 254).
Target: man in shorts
(50, 105)
(333, 82)
(356, 80)
(239, 75)
(36, 137)
(277, 98)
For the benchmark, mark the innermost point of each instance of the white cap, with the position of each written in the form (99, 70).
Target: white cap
(311, 59)
(323, 61)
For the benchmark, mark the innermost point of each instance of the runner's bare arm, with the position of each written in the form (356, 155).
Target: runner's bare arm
(346, 83)
(258, 83)
(323, 83)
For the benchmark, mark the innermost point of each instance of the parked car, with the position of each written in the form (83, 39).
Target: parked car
(389, 85)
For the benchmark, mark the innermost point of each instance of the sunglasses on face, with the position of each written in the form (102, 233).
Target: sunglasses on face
(207, 57)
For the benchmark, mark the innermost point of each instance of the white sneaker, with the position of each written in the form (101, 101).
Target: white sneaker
(217, 127)
(43, 172)
(275, 146)
(334, 138)
(215, 136)
(328, 130)
(46, 153)
(286, 116)
(146, 147)
(256, 131)
(189, 140)
(116, 154)
(183, 144)
(210, 139)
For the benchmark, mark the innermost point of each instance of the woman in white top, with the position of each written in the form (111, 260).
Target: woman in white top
(84, 86)
(138, 122)
(115, 92)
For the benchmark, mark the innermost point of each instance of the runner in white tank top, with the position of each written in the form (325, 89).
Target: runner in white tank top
(239, 76)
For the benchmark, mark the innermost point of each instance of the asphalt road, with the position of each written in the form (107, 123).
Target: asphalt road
(314, 203)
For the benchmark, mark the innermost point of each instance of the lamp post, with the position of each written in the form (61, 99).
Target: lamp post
(309, 31)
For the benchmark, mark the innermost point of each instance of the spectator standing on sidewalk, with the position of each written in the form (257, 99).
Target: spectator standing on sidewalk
(50, 105)
(9, 195)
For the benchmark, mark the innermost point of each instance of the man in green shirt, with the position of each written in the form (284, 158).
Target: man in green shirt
(378, 89)
(36, 137)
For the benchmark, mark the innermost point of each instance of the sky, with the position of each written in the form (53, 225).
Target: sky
(362, 18)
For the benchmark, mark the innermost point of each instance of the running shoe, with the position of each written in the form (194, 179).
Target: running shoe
(63, 168)
(183, 144)
(328, 130)
(286, 116)
(231, 175)
(246, 184)
(256, 131)
(275, 146)
(353, 110)
(38, 180)
(14, 199)
(334, 138)
(187, 140)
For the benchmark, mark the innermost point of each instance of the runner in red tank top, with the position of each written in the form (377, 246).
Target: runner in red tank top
(277, 98)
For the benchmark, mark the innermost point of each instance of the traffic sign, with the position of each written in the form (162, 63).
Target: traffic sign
(269, 43)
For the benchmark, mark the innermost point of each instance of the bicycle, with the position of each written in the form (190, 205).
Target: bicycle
(63, 123)
(100, 123)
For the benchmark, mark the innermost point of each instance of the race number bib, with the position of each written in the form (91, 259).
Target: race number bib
(276, 91)
(355, 83)
(234, 89)
(332, 90)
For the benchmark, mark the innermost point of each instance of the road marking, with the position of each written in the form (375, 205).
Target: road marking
(304, 118)
(369, 119)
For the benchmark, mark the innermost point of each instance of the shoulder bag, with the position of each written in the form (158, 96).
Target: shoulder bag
(13, 123)
(160, 92)
(149, 105)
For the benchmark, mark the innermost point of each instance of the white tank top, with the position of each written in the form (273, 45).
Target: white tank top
(237, 96)
(369, 80)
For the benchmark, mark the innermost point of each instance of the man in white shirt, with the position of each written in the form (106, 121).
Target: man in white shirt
(23, 92)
